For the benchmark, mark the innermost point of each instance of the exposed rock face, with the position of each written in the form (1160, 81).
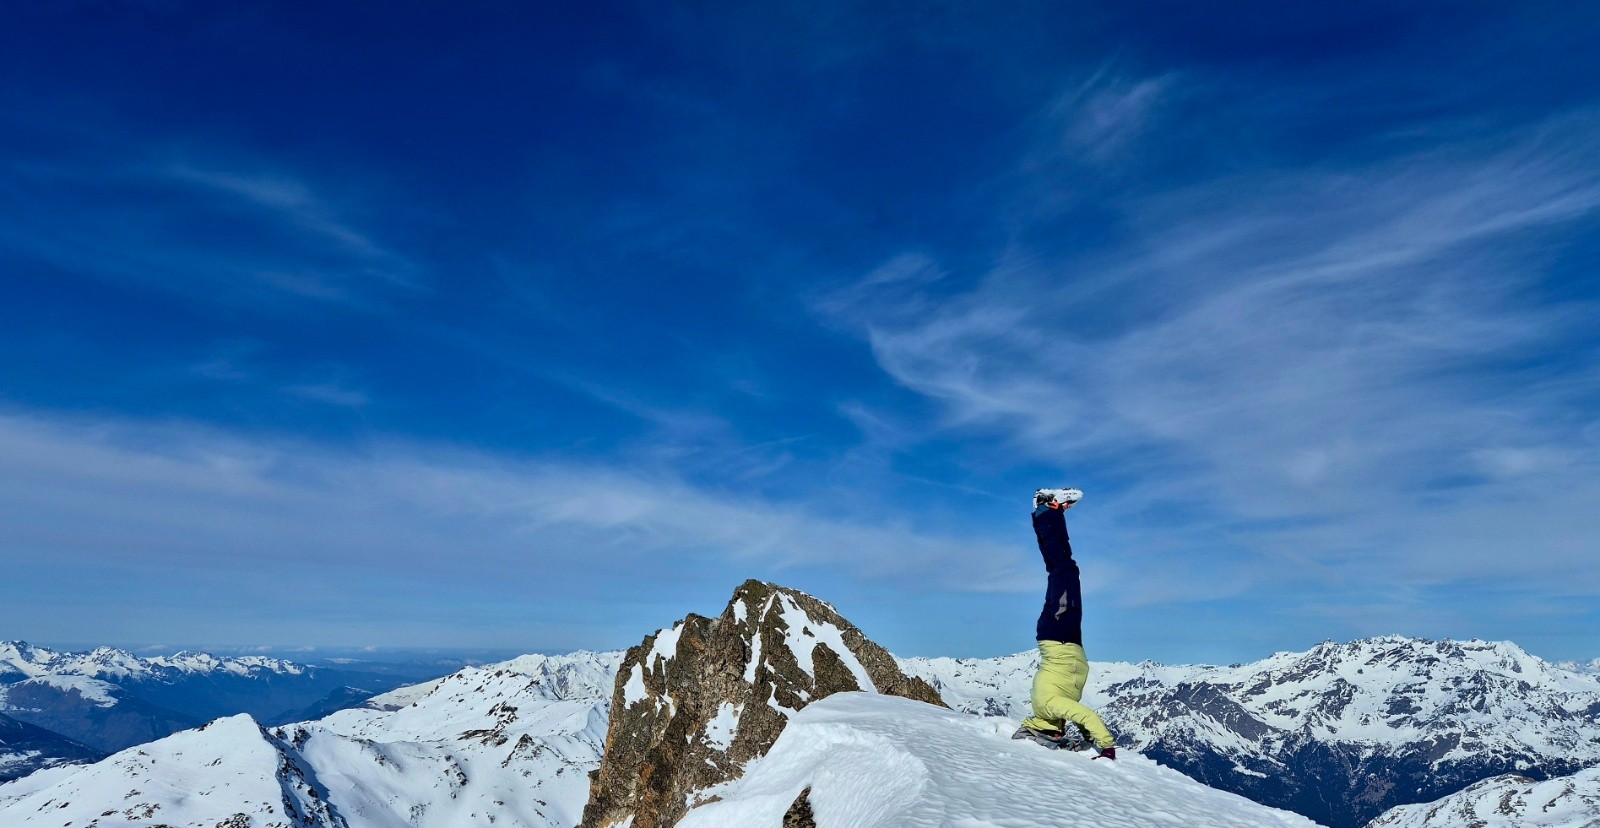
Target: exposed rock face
(694, 703)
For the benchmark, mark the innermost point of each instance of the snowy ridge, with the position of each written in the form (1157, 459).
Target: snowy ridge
(874, 760)
(20, 660)
(509, 743)
(208, 776)
(1508, 802)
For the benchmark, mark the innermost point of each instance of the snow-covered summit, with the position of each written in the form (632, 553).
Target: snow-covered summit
(696, 701)
(230, 772)
(864, 760)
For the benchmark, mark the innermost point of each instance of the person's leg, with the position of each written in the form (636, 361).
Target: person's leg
(1063, 670)
(1047, 684)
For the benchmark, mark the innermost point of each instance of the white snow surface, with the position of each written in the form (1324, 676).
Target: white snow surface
(1508, 802)
(402, 696)
(805, 633)
(880, 761)
(101, 693)
(508, 744)
(720, 730)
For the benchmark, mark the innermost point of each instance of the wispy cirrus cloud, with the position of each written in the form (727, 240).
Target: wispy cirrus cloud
(199, 220)
(305, 522)
(1351, 376)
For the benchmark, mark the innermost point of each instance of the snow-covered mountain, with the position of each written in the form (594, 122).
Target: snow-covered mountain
(696, 702)
(1508, 801)
(861, 759)
(1341, 732)
(25, 748)
(1591, 667)
(21, 660)
(508, 744)
(110, 699)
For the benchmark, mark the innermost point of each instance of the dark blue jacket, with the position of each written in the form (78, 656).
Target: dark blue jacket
(1062, 618)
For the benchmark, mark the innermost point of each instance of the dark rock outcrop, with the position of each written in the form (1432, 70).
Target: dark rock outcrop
(695, 702)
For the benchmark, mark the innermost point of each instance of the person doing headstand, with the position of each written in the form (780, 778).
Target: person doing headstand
(1063, 667)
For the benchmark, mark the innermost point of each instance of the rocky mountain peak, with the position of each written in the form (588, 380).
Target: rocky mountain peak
(693, 703)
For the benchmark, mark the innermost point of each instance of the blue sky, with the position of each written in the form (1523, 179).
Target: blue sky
(518, 327)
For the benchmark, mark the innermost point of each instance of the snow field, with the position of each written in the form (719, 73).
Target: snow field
(875, 761)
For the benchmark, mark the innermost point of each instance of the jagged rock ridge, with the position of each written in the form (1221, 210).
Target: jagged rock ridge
(694, 703)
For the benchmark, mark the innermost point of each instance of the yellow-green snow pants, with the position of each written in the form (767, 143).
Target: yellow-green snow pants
(1058, 690)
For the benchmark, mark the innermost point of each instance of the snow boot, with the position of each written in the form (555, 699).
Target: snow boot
(1062, 496)
(1108, 753)
(1049, 738)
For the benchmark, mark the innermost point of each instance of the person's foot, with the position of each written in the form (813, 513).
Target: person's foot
(1049, 738)
(1107, 753)
(1063, 497)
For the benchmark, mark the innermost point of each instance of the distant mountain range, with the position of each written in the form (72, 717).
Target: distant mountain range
(1340, 733)
(106, 699)
(509, 744)
(514, 744)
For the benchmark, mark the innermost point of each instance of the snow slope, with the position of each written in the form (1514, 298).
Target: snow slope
(874, 760)
(1508, 802)
(509, 744)
(229, 772)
